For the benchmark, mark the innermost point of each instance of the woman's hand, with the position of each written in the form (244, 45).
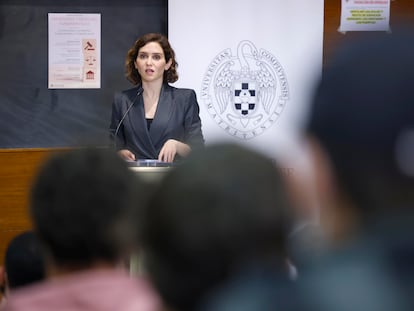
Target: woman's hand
(126, 155)
(171, 148)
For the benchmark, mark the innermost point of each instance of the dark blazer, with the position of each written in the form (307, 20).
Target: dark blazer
(177, 117)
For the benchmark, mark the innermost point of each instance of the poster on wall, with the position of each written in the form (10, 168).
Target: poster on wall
(74, 45)
(253, 68)
(365, 15)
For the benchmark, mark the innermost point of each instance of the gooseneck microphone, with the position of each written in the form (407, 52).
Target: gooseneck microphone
(140, 90)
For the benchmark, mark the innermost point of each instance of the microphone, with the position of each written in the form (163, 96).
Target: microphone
(140, 90)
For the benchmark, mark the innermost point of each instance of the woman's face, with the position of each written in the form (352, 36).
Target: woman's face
(150, 62)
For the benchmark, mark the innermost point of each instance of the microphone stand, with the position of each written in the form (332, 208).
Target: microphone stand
(140, 90)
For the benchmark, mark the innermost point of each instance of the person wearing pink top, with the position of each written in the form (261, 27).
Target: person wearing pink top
(83, 205)
(90, 290)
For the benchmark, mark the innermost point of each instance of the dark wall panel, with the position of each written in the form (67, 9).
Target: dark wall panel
(31, 115)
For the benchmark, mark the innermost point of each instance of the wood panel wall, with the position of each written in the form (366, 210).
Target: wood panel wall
(18, 166)
(17, 170)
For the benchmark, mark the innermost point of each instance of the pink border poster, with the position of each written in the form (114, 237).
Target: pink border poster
(74, 47)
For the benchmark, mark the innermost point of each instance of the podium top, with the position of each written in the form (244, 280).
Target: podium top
(150, 170)
(149, 163)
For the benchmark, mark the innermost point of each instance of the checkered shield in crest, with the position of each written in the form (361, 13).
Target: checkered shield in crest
(244, 97)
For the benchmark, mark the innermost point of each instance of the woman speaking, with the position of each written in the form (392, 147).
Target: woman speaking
(154, 120)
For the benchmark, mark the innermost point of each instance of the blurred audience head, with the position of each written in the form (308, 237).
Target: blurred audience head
(24, 263)
(361, 130)
(212, 216)
(81, 204)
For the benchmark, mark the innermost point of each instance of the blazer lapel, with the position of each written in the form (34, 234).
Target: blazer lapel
(139, 125)
(164, 110)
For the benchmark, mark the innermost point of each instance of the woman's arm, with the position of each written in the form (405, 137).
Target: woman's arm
(193, 136)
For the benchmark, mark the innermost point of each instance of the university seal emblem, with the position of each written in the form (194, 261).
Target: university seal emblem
(245, 93)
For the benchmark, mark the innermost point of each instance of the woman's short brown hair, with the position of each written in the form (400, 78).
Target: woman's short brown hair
(132, 74)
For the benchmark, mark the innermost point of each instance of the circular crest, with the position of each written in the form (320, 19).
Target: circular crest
(245, 93)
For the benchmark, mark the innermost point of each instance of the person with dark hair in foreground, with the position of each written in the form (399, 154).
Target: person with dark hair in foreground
(215, 233)
(23, 263)
(82, 204)
(361, 135)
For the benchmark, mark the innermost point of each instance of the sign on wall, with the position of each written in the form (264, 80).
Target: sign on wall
(74, 50)
(365, 15)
